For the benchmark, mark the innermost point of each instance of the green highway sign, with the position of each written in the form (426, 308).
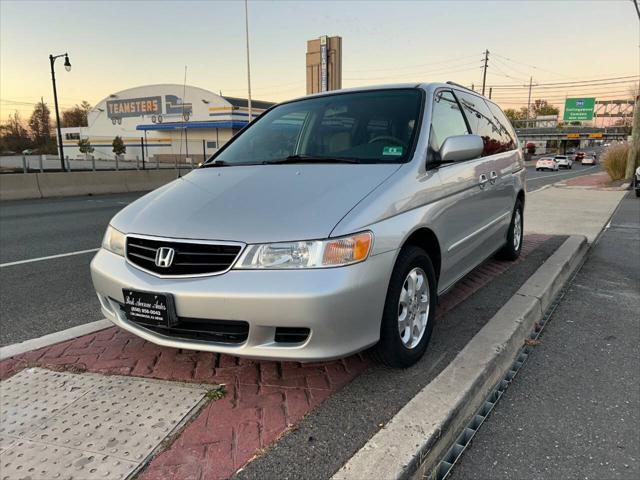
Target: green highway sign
(579, 109)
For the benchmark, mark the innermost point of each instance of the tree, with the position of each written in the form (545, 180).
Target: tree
(512, 114)
(85, 147)
(40, 126)
(76, 116)
(118, 146)
(542, 107)
(14, 137)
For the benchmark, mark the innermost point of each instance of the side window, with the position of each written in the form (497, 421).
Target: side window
(508, 134)
(446, 120)
(482, 123)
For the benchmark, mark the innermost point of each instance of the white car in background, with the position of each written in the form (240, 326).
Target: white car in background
(589, 160)
(547, 163)
(563, 161)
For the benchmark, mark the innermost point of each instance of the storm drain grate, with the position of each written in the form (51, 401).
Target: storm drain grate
(453, 455)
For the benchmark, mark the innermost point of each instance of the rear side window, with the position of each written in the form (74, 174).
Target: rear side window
(446, 119)
(506, 129)
(484, 123)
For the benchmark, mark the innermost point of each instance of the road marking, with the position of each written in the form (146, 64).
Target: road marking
(556, 174)
(53, 338)
(49, 257)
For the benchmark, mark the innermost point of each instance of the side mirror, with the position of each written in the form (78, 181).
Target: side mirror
(461, 147)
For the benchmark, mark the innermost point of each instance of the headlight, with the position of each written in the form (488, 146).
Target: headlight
(334, 252)
(114, 241)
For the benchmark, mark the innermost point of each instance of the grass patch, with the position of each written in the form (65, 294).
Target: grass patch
(217, 393)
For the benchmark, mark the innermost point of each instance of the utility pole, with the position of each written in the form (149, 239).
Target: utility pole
(529, 101)
(486, 64)
(490, 90)
(246, 24)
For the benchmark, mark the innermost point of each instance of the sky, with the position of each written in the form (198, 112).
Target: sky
(115, 45)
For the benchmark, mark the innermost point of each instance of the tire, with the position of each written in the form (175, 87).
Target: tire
(537, 169)
(511, 249)
(402, 351)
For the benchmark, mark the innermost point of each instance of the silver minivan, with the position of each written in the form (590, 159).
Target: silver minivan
(329, 225)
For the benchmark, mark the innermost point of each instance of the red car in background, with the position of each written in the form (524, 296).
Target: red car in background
(579, 156)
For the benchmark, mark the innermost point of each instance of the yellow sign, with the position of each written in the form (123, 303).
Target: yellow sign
(573, 135)
(595, 135)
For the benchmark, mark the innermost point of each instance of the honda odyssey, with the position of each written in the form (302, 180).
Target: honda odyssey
(330, 224)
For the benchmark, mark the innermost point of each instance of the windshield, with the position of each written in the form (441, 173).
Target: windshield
(361, 127)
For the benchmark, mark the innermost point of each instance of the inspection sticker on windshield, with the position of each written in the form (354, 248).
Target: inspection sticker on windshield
(396, 151)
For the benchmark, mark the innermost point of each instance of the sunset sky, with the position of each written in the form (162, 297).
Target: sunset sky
(117, 45)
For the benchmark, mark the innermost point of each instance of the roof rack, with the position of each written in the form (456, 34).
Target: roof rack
(461, 86)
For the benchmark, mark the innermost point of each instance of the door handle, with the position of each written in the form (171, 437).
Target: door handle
(493, 176)
(482, 181)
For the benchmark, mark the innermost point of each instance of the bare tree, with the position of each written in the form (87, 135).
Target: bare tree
(40, 126)
(14, 137)
(76, 116)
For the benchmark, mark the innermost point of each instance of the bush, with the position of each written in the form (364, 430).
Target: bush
(615, 160)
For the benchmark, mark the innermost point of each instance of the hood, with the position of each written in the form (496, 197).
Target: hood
(253, 204)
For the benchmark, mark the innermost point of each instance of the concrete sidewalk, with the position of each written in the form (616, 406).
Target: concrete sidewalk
(583, 208)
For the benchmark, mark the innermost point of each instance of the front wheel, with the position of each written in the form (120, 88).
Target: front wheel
(512, 248)
(409, 310)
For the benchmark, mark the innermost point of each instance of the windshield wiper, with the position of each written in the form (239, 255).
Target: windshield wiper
(310, 159)
(215, 163)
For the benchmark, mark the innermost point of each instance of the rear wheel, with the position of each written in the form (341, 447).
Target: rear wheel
(409, 310)
(512, 248)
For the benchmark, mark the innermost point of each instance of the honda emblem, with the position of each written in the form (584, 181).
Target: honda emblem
(164, 257)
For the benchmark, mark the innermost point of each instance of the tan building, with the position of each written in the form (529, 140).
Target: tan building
(324, 64)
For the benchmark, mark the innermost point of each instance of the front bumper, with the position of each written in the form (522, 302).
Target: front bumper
(342, 306)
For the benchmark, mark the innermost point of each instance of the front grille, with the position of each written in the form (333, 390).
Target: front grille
(203, 329)
(189, 259)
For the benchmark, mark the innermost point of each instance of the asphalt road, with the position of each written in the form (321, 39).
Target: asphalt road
(574, 409)
(47, 295)
(537, 180)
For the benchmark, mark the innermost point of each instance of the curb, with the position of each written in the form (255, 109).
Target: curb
(52, 338)
(412, 444)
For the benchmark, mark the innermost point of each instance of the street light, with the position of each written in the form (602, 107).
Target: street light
(67, 66)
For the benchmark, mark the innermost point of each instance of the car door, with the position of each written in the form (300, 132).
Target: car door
(462, 205)
(499, 159)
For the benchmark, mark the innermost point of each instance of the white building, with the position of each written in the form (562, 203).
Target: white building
(173, 122)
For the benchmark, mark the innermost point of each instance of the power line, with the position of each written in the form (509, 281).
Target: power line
(627, 77)
(530, 65)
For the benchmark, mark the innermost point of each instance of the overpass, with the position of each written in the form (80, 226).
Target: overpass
(574, 133)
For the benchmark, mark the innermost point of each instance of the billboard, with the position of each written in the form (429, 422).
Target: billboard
(579, 109)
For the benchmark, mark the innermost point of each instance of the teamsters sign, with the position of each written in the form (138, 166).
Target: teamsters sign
(134, 107)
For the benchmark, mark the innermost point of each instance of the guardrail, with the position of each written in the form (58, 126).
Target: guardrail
(19, 186)
(44, 163)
